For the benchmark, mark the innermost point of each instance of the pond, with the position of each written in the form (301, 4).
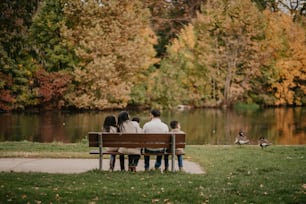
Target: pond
(283, 126)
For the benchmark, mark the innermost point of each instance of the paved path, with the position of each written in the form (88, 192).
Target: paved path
(74, 165)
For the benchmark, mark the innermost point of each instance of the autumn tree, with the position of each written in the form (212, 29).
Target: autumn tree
(96, 54)
(239, 32)
(16, 62)
(214, 58)
(114, 43)
(283, 72)
(182, 78)
(169, 17)
(50, 88)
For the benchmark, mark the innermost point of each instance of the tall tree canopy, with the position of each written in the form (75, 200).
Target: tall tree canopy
(213, 59)
(115, 44)
(232, 52)
(16, 53)
(168, 17)
(102, 54)
(51, 52)
(283, 74)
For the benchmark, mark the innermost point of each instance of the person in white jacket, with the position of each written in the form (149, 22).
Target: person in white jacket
(154, 126)
(125, 125)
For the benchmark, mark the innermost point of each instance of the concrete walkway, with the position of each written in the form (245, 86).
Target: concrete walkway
(49, 165)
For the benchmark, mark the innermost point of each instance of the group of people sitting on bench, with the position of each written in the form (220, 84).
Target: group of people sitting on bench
(155, 125)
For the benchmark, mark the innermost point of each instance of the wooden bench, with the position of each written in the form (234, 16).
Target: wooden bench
(169, 141)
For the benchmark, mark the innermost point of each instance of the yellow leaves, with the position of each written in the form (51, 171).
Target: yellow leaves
(115, 45)
(285, 46)
(155, 200)
(149, 34)
(188, 37)
(166, 201)
(283, 94)
(186, 40)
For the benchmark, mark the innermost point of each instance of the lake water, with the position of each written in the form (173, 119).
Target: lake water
(283, 126)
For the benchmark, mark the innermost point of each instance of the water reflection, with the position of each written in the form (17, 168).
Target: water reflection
(205, 126)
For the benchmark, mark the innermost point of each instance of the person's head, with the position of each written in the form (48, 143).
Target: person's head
(109, 121)
(174, 124)
(122, 117)
(155, 113)
(136, 119)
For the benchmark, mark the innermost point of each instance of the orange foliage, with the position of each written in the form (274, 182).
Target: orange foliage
(286, 47)
(115, 45)
(5, 100)
(52, 87)
(6, 96)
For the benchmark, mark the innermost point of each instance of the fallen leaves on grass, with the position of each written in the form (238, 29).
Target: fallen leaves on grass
(155, 200)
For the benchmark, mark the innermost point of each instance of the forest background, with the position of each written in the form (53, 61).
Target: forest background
(113, 54)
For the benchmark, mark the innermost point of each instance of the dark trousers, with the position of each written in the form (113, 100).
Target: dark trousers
(113, 161)
(133, 160)
(157, 161)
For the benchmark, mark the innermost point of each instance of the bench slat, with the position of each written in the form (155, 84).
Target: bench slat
(140, 140)
(144, 154)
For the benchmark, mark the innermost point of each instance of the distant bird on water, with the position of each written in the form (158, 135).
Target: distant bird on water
(263, 142)
(241, 139)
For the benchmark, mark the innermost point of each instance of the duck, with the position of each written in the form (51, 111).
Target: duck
(241, 139)
(264, 142)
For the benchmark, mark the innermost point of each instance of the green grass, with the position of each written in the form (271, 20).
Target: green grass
(234, 174)
(50, 150)
(244, 106)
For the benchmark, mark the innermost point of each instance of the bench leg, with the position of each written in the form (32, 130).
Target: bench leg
(100, 158)
(173, 151)
(172, 162)
(100, 152)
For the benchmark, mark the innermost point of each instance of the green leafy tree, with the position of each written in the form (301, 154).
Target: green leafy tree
(182, 78)
(115, 44)
(16, 62)
(51, 51)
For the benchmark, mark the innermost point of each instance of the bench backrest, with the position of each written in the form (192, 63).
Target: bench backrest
(136, 140)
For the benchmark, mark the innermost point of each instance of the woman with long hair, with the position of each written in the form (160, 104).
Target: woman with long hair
(125, 125)
(110, 125)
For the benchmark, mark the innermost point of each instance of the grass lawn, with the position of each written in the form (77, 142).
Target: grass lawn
(234, 174)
